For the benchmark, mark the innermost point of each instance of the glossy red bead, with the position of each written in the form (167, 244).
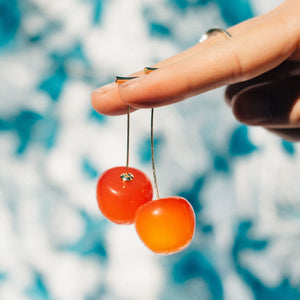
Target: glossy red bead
(119, 200)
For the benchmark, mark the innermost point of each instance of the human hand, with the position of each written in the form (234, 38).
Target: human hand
(260, 63)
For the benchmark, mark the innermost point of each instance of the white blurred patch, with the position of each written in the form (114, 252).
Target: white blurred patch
(71, 277)
(66, 225)
(235, 289)
(133, 271)
(263, 6)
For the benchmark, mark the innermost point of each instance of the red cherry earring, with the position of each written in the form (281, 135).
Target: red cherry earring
(122, 190)
(165, 225)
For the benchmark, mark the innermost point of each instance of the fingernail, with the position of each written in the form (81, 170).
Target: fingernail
(148, 70)
(120, 79)
(253, 111)
(105, 88)
(132, 82)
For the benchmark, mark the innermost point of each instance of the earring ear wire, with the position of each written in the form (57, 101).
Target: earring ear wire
(121, 79)
(214, 31)
(148, 70)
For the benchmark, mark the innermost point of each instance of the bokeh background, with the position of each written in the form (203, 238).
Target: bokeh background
(242, 182)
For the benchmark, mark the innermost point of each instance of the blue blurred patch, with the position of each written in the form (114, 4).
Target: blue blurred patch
(3, 276)
(144, 150)
(97, 11)
(35, 38)
(221, 164)
(9, 20)
(44, 32)
(159, 30)
(288, 147)
(192, 194)
(183, 5)
(284, 291)
(54, 83)
(101, 292)
(195, 265)
(31, 127)
(38, 289)
(24, 124)
(93, 115)
(243, 241)
(92, 241)
(89, 169)
(76, 52)
(232, 11)
(4, 125)
(240, 143)
(235, 11)
(207, 229)
(47, 131)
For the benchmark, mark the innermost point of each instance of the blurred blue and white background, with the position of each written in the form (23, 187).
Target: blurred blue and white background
(242, 182)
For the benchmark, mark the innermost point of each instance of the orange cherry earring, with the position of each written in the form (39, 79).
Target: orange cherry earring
(165, 225)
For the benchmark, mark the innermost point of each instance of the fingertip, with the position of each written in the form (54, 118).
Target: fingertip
(106, 101)
(96, 103)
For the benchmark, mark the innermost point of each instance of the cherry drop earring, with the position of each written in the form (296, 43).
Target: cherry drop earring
(165, 225)
(122, 190)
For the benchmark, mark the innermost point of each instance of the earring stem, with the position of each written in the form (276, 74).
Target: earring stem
(126, 176)
(152, 156)
(128, 133)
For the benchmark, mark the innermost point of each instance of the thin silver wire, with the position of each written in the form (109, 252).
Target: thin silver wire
(128, 133)
(127, 176)
(152, 156)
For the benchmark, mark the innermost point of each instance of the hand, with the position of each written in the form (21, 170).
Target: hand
(261, 64)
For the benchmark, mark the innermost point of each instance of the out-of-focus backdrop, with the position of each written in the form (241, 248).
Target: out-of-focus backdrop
(242, 182)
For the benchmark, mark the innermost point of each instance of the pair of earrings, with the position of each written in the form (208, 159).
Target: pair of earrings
(125, 196)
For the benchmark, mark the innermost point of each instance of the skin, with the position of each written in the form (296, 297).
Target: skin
(260, 64)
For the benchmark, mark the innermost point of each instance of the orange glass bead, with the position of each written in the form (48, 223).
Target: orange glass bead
(166, 225)
(119, 199)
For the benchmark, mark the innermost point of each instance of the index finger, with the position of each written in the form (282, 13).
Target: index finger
(106, 99)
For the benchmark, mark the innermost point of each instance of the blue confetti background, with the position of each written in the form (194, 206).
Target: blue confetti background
(242, 182)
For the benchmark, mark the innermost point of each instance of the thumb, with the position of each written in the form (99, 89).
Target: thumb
(274, 104)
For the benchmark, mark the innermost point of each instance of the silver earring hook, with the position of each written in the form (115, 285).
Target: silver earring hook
(214, 31)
